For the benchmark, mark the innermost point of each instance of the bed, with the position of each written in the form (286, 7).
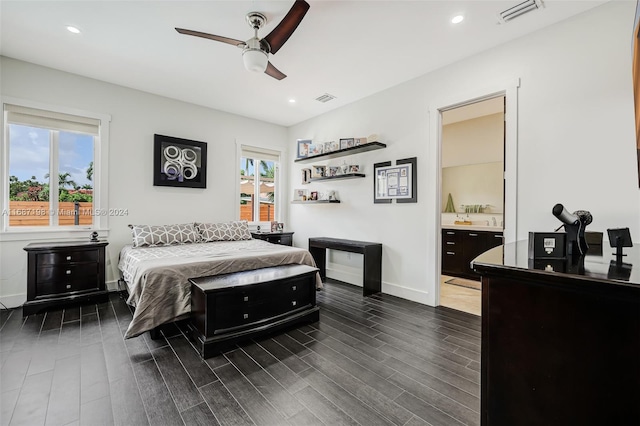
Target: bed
(156, 275)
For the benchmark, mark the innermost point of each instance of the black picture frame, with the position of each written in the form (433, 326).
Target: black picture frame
(407, 168)
(179, 162)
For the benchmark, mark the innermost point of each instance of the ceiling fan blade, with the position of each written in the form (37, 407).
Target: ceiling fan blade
(287, 26)
(274, 72)
(227, 40)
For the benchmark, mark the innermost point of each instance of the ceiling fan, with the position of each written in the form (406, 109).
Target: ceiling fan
(255, 51)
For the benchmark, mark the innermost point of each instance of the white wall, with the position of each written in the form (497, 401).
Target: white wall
(576, 143)
(479, 140)
(472, 163)
(474, 184)
(136, 116)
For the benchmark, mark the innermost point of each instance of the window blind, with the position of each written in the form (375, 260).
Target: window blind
(260, 153)
(26, 116)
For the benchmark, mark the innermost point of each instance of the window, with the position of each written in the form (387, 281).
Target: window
(259, 170)
(51, 169)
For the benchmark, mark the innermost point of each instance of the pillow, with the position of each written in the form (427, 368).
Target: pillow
(163, 235)
(229, 231)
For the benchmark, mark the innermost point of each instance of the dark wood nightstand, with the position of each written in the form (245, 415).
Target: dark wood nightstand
(64, 272)
(282, 238)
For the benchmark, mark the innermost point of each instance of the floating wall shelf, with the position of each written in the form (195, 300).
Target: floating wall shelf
(316, 202)
(338, 177)
(371, 146)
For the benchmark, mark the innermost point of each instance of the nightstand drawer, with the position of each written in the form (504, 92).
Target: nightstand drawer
(65, 257)
(64, 288)
(68, 272)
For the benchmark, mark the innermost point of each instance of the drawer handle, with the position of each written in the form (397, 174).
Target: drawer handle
(450, 243)
(245, 316)
(450, 252)
(294, 288)
(498, 236)
(246, 298)
(451, 233)
(68, 271)
(68, 257)
(68, 286)
(278, 241)
(473, 235)
(294, 303)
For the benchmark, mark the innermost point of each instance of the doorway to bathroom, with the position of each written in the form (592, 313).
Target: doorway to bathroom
(472, 196)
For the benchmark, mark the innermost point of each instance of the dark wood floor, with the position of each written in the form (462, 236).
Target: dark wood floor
(378, 360)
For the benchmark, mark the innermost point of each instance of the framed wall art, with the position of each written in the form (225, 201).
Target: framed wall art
(397, 182)
(179, 162)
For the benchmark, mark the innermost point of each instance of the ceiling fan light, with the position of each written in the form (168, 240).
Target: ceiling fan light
(255, 60)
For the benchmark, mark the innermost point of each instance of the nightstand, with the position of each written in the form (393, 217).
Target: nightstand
(282, 238)
(64, 272)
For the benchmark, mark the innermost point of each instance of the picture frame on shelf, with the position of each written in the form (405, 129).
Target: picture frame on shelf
(359, 141)
(333, 171)
(354, 168)
(280, 227)
(300, 195)
(306, 176)
(313, 196)
(316, 149)
(335, 145)
(318, 171)
(326, 147)
(274, 226)
(303, 148)
(346, 143)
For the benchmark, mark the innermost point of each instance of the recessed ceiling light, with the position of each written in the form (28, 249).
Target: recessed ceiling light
(457, 19)
(292, 101)
(73, 29)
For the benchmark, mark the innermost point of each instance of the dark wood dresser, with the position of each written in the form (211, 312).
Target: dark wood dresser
(232, 307)
(560, 338)
(61, 273)
(282, 238)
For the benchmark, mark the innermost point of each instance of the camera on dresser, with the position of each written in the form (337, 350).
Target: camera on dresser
(63, 273)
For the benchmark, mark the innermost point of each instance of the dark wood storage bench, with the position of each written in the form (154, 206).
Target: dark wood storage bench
(232, 307)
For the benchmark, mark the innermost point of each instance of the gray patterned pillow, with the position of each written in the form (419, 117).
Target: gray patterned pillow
(228, 231)
(163, 235)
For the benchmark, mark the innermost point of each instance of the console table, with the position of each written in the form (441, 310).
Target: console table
(372, 263)
(560, 338)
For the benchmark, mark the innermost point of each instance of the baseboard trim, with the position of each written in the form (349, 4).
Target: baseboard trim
(344, 276)
(13, 301)
(112, 285)
(387, 288)
(406, 293)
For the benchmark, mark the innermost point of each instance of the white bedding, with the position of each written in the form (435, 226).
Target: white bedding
(157, 277)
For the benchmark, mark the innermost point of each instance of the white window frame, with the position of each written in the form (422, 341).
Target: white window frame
(100, 178)
(269, 155)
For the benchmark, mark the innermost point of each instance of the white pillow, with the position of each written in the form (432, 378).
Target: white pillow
(228, 231)
(163, 235)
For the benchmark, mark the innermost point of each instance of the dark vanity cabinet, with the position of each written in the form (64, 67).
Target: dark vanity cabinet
(461, 246)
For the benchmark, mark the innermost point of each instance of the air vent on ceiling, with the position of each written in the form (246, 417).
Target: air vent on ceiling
(325, 98)
(519, 10)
